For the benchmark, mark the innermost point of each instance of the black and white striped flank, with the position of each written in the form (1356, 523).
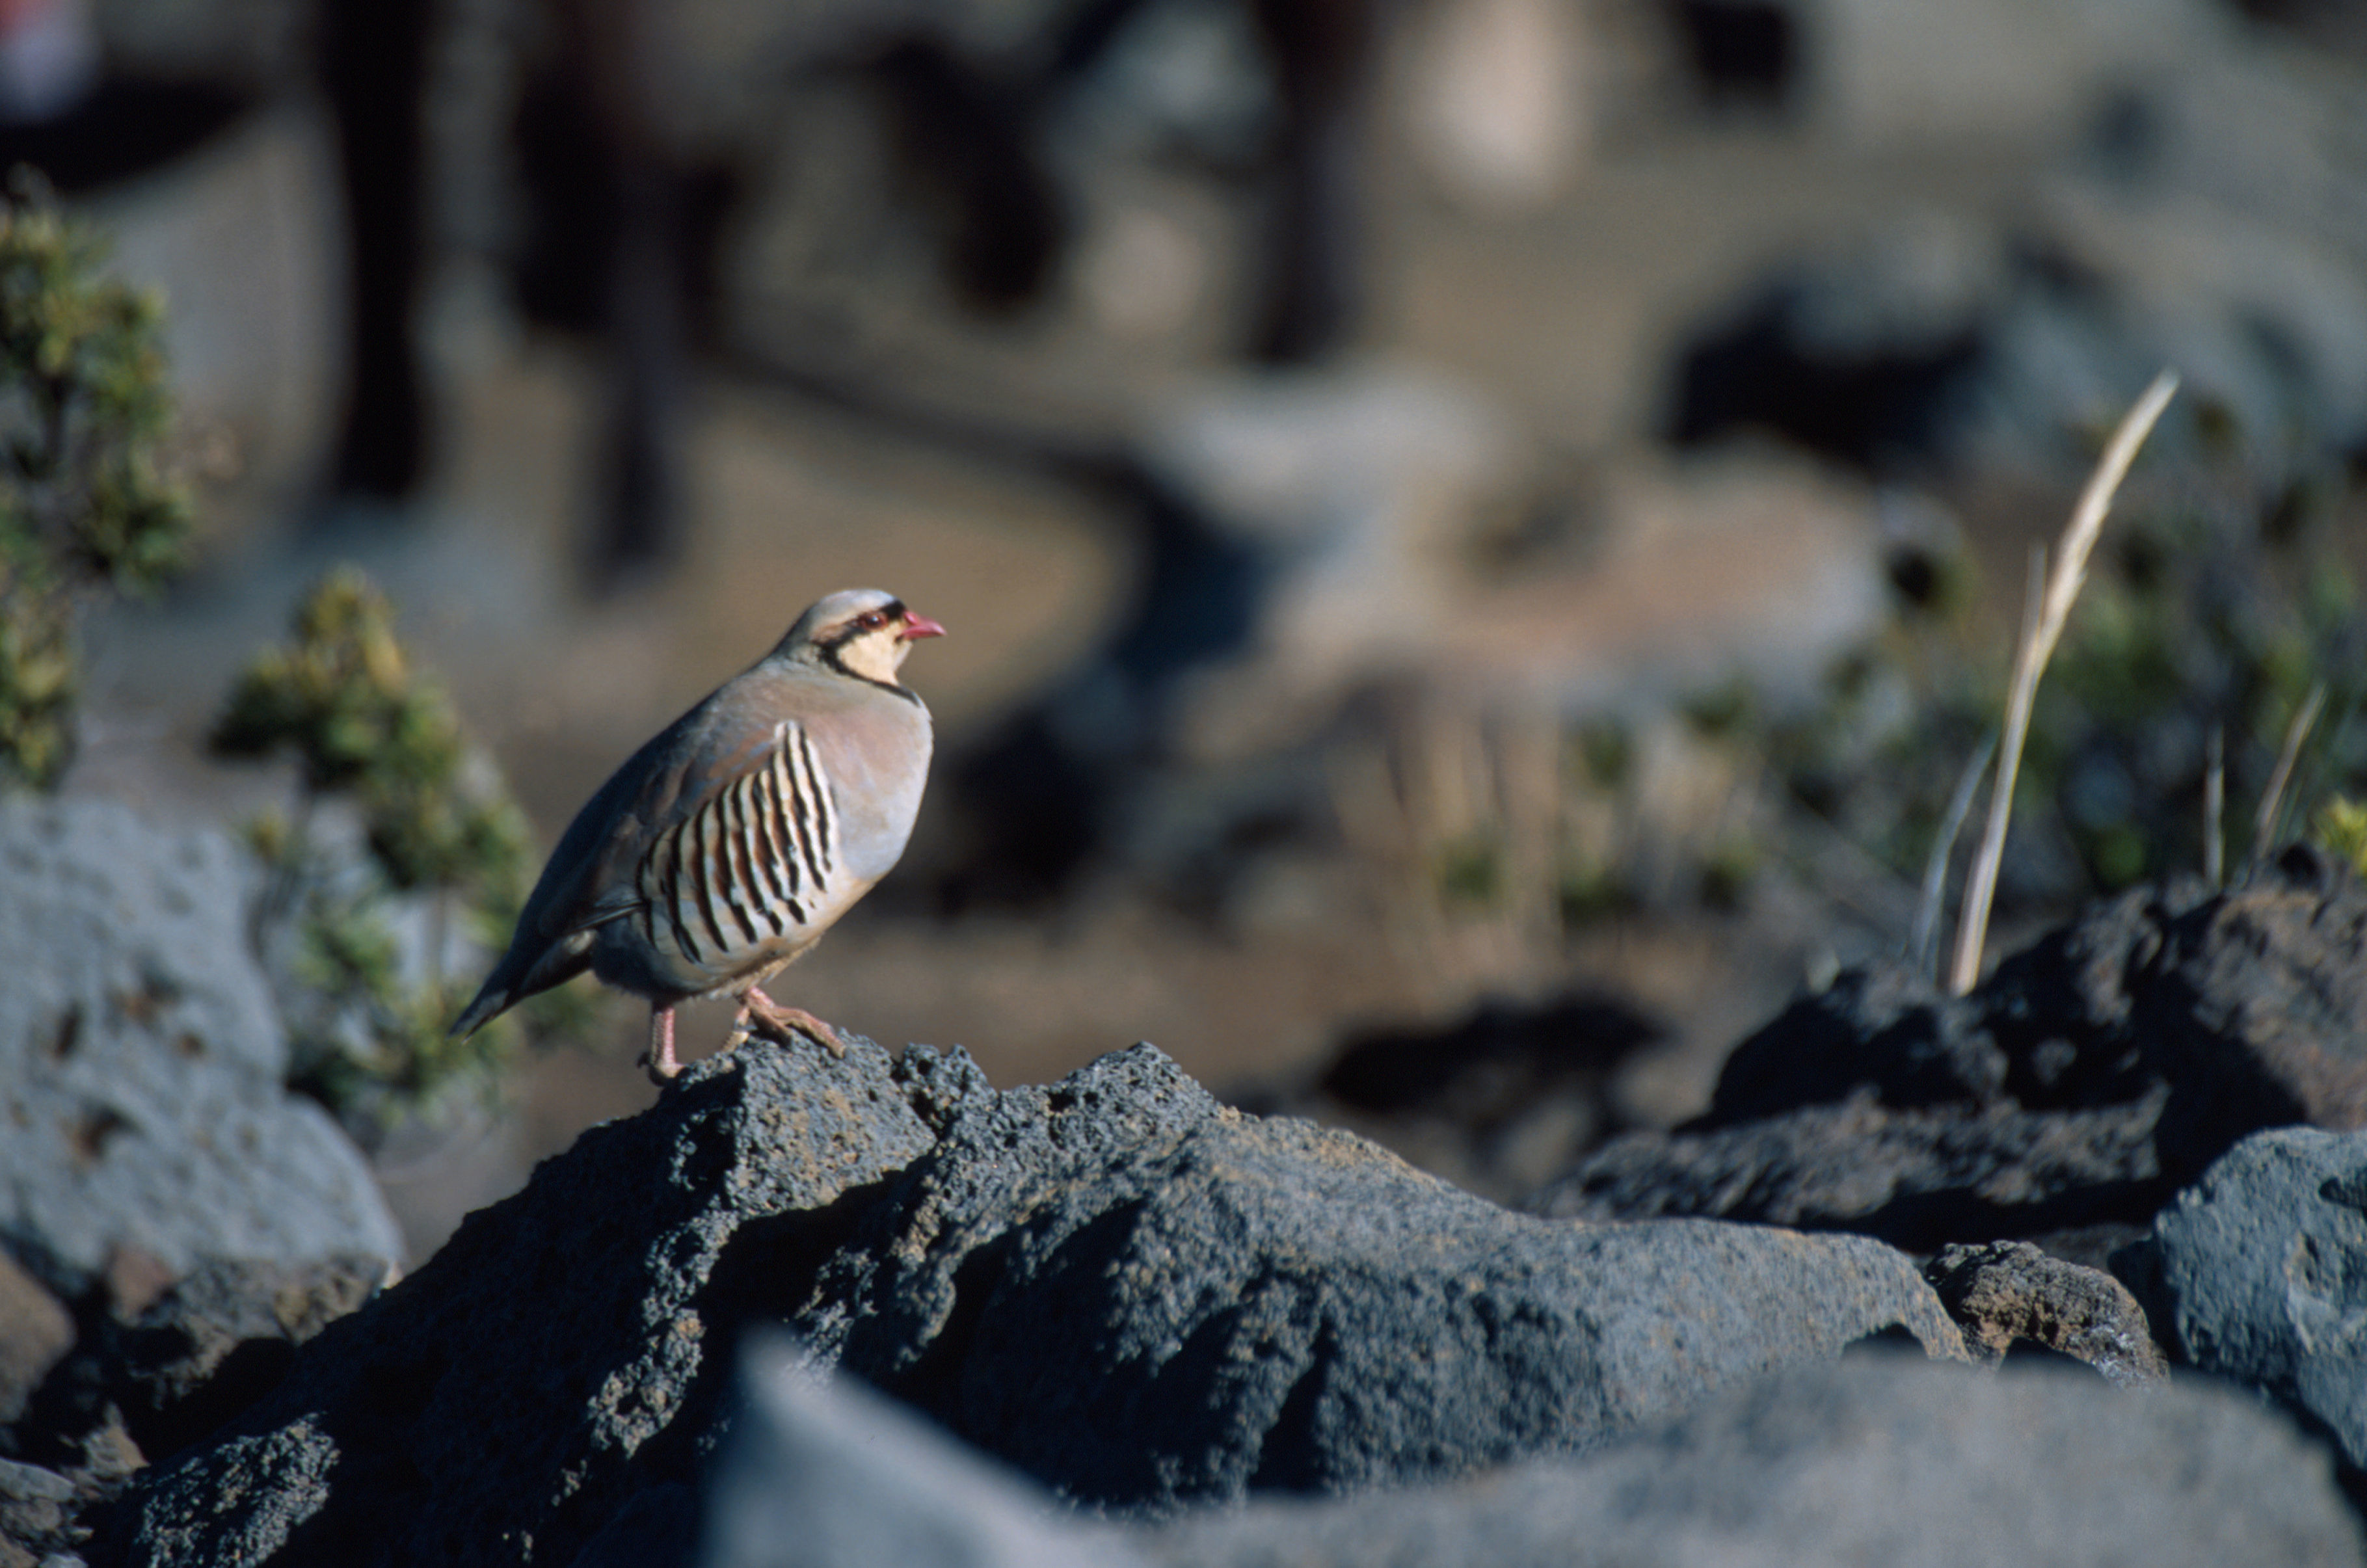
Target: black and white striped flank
(751, 865)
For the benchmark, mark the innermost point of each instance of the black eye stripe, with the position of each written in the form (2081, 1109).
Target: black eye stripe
(868, 621)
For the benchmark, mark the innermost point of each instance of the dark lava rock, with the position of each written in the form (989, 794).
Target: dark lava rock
(2008, 1294)
(1869, 1459)
(38, 1509)
(209, 1346)
(502, 1402)
(36, 1332)
(2082, 1083)
(657, 1528)
(1498, 1104)
(1113, 1282)
(1914, 1176)
(1144, 1299)
(2261, 1270)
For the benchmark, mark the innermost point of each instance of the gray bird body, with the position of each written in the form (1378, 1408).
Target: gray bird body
(725, 847)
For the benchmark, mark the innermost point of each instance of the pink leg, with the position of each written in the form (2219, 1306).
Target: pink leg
(659, 1057)
(755, 1000)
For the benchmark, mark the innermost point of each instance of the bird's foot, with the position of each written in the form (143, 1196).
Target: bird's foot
(659, 1058)
(783, 1019)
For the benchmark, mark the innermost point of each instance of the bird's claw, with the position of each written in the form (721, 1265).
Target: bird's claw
(783, 1021)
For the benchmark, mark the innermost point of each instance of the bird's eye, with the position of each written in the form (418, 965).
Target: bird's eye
(871, 620)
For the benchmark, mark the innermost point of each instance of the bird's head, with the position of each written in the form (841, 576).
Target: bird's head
(860, 632)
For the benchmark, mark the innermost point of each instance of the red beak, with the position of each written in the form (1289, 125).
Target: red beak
(918, 627)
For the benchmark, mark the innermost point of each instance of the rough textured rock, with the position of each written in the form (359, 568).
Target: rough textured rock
(222, 1337)
(821, 1472)
(38, 1509)
(2083, 1082)
(2256, 1006)
(2261, 1271)
(2009, 1293)
(1266, 1305)
(36, 1332)
(657, 1528)
(141, 1062)
(561, 1352)
(1873, 1460)
(1916, 1176)
(209, 1345)
(1134, 1293)
(1497, 1102)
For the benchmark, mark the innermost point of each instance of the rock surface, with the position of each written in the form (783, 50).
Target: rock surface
(37, 1515)
(2263, 1271)
(2009, 1293)
(2207, 216)
(567, 1329)
(1918, 1177)
(1496, 1102)
(2083, 1082)
(822, 1473)
(1247, 1304)
(36, 1332)
(1873, 1460)
(142, 1060)
(1135, 1294)
(166, 1373)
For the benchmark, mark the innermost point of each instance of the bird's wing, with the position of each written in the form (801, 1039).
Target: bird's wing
(591, 877)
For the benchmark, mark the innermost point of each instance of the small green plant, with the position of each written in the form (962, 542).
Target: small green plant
(1470, 870)
(87, 505)
(2341, 825)
(364, 936)
(2197, 621)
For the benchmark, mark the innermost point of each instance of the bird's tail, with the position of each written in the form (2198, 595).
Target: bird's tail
(521, 974)
(493, 1000)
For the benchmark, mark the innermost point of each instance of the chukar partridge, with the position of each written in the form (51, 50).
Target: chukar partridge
(726, 846)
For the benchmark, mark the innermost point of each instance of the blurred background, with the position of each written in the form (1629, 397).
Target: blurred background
(1479, 536)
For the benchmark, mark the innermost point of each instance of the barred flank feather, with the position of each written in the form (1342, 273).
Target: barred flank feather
(750, 865)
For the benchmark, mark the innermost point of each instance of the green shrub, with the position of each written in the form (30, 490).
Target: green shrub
(2192, 622)
(437, 834)
(86, 504)
(2341, 825)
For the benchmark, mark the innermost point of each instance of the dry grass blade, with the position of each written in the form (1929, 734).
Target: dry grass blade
(2044, 616)
(1923, 948)
(2264, 825)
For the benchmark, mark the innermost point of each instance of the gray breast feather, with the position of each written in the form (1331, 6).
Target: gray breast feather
(876, 759)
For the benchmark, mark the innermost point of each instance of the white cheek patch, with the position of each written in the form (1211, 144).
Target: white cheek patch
(874, 655)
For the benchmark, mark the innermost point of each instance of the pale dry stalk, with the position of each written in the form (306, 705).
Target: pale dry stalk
(2043, 627)
(1923, 947)
(2264, 825)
